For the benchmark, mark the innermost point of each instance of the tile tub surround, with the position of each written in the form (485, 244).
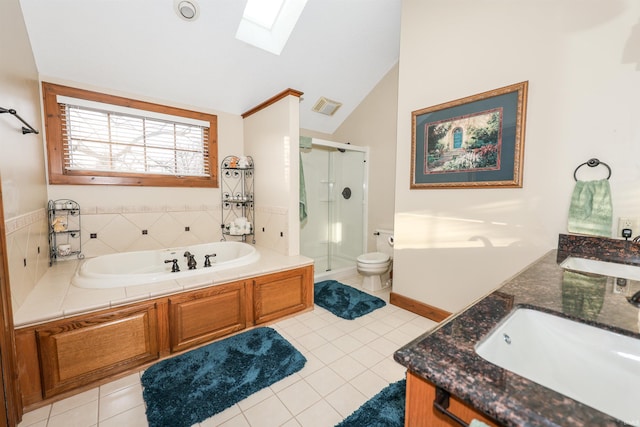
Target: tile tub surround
(55, 298)
(446, 356)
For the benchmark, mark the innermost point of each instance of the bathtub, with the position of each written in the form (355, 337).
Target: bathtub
(146, 267)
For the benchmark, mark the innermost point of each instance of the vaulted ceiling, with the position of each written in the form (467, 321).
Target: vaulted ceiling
(339, 49)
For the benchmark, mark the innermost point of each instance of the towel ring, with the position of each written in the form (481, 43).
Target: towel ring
(592, 163)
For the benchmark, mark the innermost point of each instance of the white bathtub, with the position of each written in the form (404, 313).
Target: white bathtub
(145, 267)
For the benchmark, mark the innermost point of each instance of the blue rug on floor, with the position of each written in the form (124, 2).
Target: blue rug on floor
(344, 301)
(194, 386)
(385, 409)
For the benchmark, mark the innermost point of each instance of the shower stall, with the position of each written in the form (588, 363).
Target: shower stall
(334, 184)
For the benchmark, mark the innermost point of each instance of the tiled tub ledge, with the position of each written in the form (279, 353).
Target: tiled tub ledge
(55, 298)
(446, 357)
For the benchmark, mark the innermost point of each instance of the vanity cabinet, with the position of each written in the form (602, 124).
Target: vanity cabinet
(420, 412)
(76, 353)
(199, 317)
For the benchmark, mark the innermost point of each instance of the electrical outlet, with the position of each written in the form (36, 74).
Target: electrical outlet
(626, 222)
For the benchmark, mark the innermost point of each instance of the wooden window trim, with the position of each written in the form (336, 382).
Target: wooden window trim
(55, 152)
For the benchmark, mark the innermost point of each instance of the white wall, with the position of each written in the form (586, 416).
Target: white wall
(373, 124)
(581, 60)
(271, 137)
(22, 158)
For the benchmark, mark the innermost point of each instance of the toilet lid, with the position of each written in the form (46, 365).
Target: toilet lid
(373, 257)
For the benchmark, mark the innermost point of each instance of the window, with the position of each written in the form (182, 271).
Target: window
(94, 138)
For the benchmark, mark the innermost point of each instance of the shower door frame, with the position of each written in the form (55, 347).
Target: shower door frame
(365, 183)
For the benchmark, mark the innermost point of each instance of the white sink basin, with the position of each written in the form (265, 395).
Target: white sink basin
(591, 365)
(631, 272)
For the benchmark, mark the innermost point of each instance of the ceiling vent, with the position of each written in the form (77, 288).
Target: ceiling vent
(326, 106)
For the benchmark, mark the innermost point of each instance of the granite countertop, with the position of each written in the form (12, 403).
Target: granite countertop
(446, 357)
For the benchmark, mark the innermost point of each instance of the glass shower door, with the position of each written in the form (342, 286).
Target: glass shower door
(333, 232)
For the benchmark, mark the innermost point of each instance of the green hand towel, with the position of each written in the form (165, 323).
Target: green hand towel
(591, 211)
(305, 142)
(303, 194)
(478, 423)
(583, 294)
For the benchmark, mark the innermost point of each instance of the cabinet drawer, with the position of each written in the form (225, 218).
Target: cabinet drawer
(82, 351)
(200, 317)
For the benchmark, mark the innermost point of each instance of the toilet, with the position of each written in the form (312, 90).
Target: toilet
(374, 266)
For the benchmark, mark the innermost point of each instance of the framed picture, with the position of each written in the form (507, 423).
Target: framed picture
(473, 142)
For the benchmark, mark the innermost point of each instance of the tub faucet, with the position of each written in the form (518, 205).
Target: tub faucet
(174, 267)
(635, 299)
(207, 261)
(191, 260)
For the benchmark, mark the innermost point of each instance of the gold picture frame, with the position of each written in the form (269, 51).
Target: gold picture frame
(472, 142)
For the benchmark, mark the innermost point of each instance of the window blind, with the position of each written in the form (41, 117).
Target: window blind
(99, 138)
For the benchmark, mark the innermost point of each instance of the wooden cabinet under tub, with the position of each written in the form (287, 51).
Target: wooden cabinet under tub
(63, 357)
(199, 317)
(79, 352)
(281, 294)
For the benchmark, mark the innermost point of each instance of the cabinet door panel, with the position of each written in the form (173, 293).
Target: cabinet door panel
(203, 316)
(280, 294)
(83, 351)
(419, 410)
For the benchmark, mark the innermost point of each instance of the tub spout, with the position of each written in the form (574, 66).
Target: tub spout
(174, 267)
(191, 260)
(207, 261)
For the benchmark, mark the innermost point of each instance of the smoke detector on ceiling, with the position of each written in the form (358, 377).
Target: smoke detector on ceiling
(187, 10)
(326, 106)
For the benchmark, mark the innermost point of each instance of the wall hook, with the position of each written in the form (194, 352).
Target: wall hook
(25, 130)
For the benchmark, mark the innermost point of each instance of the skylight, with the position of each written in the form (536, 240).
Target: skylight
(267, 24)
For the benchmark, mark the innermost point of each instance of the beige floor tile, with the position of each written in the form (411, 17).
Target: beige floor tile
(346, 399)
(237, 421)
(347, 367)
(37, 415)
(298, 397)
(133, 417)
(222, 417)
(121, 401)
(320, 414)
(325, 381)
(74, 401)
(81, 416)
(270, 412)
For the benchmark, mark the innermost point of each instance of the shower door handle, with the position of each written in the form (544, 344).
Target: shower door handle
(346, 193)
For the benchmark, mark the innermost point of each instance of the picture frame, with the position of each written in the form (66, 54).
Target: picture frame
(472, 142)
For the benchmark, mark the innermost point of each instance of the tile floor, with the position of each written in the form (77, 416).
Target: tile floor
(348, 362)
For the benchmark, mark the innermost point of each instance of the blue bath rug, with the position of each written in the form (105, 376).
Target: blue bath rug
(344, 301)
(194, 386)
(385, 409)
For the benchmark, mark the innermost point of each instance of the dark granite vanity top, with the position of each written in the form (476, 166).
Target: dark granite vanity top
(446, 355)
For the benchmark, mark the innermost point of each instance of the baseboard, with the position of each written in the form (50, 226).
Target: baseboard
(425, 310)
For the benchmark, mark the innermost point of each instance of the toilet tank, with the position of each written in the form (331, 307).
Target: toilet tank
(384, 241)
